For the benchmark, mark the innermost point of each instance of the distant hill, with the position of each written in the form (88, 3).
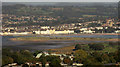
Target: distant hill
(65, 12)
(63, 3)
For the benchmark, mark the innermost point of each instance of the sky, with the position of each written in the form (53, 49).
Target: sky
(60, 0)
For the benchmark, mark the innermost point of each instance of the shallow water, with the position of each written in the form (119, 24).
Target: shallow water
(49, 44)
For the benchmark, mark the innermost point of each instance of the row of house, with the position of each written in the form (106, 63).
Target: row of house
(39, 64)
(42, 31)
(62, 56)
(53, 31)
(15, 33)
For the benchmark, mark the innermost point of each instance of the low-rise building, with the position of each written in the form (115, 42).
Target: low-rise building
(99, 28)
(53, 31)
(39, 55)
(88, 31)
(117, 31)
(15, 33)
(77, 64)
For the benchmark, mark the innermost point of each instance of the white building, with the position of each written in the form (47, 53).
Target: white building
(47, 64)
(15, 33)
(62, 64)
(118, 31)
(39, 55)
(82, 29)
(53, 31)
(77, 64)
(55, 54)
(45, 27)
(99, 28)
(88, 31)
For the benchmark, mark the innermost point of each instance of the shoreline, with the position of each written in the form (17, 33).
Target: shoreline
(42, 39)
(66, 34)
(93, 34)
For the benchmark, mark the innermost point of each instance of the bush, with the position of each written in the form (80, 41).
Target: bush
(96, 46)
(6, 60)
(67, 60)
(78, 46)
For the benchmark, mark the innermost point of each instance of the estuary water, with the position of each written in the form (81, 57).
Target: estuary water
(38, 45)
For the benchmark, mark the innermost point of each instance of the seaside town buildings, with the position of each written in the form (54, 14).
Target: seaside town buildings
(16, 31)
(100, 26)
(53, 31)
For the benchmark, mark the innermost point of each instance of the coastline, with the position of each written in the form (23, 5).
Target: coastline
(93, 34)
(61, 39)
(66, 34)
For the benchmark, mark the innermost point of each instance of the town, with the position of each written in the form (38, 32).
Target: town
(26, 20)
(108, 26)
